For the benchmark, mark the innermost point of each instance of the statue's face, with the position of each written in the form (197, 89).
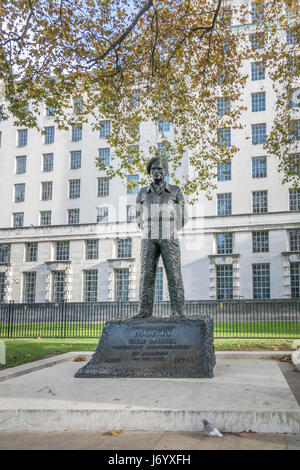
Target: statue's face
(157, 171)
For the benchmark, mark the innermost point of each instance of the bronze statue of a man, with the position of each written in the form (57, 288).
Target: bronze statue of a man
(160, 214)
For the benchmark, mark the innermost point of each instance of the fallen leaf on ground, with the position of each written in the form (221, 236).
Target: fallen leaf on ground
(112, 432)
(79, 359)
(286, 358)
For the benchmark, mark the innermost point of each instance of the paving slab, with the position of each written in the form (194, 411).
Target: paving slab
(245, 393)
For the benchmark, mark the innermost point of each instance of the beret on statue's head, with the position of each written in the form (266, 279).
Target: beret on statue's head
(153, 159)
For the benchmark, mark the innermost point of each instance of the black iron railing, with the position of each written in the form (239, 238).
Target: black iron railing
(276, 318)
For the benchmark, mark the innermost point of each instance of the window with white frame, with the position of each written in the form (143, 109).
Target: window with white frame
(2, 286)
(294, 197)
(50, 111)
(48, 162)
(22, 137)
(103, 186)
(102, 214)
(47, 190)
(294, 236)
(45, 218)
(258, 101)
(21, 164)
(295, 280)
(259, 201)
(18, 219)
(73, 216)
(257, 41)
(76, 133)
(224, 243)
(31, 251)
(104, 156)
(74, 189)
(77, 105)
(92, 249)
(124, 248)
(131, 212)
(159, 285)
(62, 251)
(104, 129)
(75, 160)
(90, 285)
(224, 204)
(49, 135)
(122, 284)
(294, 133)
(260, 241)
(133, 184)
(257, 71)
(223, 105)
(291, 38)
(261, 280)
(259, 133)
(224, 171)
(224, 136)
(257, 11)
(58, 286)
(20, 192)
(5, 253)
(163, 125)
(29, 287)
(224, 282)
(259, 167)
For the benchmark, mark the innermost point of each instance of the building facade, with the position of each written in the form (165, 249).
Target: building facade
(67, 232)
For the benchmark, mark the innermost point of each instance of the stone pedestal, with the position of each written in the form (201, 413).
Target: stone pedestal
(154, 347)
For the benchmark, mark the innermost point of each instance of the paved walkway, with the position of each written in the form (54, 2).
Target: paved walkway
(144, 440)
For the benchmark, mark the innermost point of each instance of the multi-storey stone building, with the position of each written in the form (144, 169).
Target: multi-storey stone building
(68, 233)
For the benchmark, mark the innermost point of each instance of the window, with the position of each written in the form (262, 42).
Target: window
(257, 11)
(4, 253)
(163, 125)
(291, 38)
(257, 41)
(49, 135)
(77, 105)
(136, 99)
(76, 132)
(103, 186)
(104, 129)
(259, 133)
(259, 167)
(260, 201)
(163, 150)
(90, 285)
(31, 251)
(50, 112)
(224, 204)
(20, 192)
(92, 249)
(159, 286)
(295, 130)
(132, 184)
(258, 101)
(47, 191)
(224, 282)
(75, 160)
(124, 248)
(2, 286)
(131, 213)
(62, 251)
(74, 189)
(294, 195)
(261, 281)
(295, 280)
(29, 287)
(223, 105)
(21, 165)
(45, 218)
(224, 243)
(22, 137)
(257, 71)
(122, 284)
(224, 171)
(73, 216)
(102, 214)
(48, 162)
(18, 219)
(293, 100)
(104, 156)
(1, 113)
(260, 242)
(294, 239)
(224, 137)
(59, 281)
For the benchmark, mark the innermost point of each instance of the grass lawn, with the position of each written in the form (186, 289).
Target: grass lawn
(22, 351)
